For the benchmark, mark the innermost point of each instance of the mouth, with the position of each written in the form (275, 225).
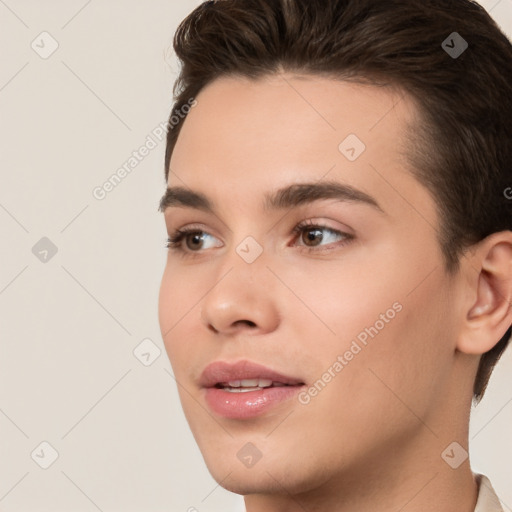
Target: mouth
(244, 375)
(244, 389)
(248, 385)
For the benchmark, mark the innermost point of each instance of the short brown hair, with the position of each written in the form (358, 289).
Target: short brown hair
(465, 100)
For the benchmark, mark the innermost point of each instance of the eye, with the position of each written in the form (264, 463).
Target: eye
(194, 240)
(312, 235)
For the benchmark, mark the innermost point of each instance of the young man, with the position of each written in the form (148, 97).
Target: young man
(339, 278)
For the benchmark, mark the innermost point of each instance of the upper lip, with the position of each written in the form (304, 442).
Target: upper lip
(222, 372)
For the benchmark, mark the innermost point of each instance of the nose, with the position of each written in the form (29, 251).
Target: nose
(241, 301)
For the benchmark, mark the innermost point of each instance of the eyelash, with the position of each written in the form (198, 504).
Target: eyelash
(174, 242)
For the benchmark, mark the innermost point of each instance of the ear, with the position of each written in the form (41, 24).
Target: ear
(489, 305)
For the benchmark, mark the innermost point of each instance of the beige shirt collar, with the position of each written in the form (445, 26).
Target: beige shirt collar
(487, 499)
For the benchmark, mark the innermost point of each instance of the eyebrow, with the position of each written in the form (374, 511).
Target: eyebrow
(292, 196)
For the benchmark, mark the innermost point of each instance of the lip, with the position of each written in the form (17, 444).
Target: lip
(247, 404)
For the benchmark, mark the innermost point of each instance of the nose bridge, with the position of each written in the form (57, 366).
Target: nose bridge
(247, 258)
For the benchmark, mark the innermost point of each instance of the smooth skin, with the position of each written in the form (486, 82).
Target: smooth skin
(373, 437)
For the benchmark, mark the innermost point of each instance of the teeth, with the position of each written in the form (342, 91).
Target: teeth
(244, 385)
(250, 383)
(241, 390)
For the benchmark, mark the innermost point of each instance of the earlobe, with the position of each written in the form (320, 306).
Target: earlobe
(490, 315)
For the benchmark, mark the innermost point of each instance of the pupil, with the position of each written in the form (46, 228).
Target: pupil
(312, 235)
(195, 240)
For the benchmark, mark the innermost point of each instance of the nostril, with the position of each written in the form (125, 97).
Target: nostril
(248, 322)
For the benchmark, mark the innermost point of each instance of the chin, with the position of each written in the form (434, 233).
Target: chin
(256, 480)
(249, 484)
(274, 473)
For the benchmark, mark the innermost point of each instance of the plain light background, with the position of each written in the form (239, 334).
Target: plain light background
(72, 373)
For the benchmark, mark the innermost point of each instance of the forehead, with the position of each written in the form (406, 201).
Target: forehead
(319, 101)
(248, 137)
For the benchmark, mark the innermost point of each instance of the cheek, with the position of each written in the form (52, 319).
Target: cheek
(176, 302)
(344, 303)
(407, 365)
(392, 330)
(370, 400)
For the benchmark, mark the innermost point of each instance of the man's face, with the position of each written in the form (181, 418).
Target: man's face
(352, 310)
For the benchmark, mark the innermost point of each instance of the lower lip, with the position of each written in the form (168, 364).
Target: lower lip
(248, 404)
